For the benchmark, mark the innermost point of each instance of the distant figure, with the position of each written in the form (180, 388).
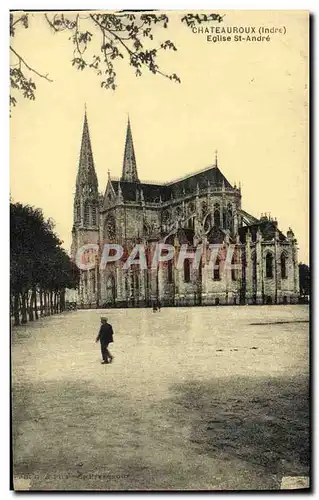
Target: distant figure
(105, 337)
(159, 305)
(154, 307)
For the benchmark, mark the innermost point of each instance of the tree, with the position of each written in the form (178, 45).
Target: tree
(124, 35)
(304, 280)
(39, 267)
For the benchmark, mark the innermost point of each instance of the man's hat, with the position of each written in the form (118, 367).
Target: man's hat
(103, 318)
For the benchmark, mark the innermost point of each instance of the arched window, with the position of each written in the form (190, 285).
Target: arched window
(86, 213)
(200, 271)
(178, 212)
(216, 273)
(93, 281)
(229, 217)
(136, 281)
(208, 223)
(254, 266)
(269, 265)
(191, 208)
(94, 219)
(233, 268)
(85, 281)
(165, 216)
(78, 213)
(204, 208)
(283, 263)
(216, 215)
(127, 287)
(187, 273)
(170, 271)
(109, 227)
(191, 223)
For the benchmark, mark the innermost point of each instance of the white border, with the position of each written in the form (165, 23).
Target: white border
(312, 6)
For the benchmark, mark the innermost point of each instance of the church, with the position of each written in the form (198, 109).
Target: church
(199, 209)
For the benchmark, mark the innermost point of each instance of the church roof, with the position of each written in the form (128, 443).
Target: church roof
(151, 192)
(267, 228)
(174, 189)
(189, 183)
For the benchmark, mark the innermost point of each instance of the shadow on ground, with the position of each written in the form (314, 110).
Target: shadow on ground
(263, 421)
(227, 433)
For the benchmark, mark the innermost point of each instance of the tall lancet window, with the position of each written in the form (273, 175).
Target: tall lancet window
(187, 273)
(283, 262)
(216, 215)
(78, 213)
(269, 265)
(170, 271)
(216, 273)
(254, 266)
(94, 218)
(93, 280)
(86, 213)
(229, 217)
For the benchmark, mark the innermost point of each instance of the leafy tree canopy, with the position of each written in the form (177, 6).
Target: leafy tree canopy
(123, 35)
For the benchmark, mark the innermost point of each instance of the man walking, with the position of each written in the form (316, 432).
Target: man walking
(105, 337)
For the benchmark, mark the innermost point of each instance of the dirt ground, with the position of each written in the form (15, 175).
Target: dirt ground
(196, 398)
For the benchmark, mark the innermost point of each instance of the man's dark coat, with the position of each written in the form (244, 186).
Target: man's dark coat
(105, 335)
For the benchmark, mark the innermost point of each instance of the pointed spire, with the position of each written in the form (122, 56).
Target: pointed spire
(86, 173)
(129, 172)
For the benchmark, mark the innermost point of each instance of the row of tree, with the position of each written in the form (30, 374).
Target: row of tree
(40, 270)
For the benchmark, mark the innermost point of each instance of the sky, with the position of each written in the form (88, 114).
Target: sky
(248, 100)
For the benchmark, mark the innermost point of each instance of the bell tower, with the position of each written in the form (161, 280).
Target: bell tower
(86, 217)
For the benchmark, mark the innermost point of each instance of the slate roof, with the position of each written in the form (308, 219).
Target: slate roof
(153, 192)
(267, 228)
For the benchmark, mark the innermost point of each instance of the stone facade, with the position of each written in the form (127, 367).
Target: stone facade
(200, 209)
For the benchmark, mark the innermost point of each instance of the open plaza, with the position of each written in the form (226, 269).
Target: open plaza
(196, 398)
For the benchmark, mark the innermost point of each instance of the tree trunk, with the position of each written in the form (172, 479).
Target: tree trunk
(16, 311)
(62, 300)
(51, 302)
(30, 306)
(55, 302)
(34, 293)
(58, 305)
(41, 302)
(24, 318)
(45, 302)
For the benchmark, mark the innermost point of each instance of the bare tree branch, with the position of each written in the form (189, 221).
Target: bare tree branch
(21, 60)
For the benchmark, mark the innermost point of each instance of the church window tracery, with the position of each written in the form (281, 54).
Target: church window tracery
(187, 274)
(283, 263)
(216, 273)
(86, 213)
(269, 265)
(217, 215)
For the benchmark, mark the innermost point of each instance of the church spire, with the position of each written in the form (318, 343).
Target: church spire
(86, 200)
(129, 172)
(86, 178)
